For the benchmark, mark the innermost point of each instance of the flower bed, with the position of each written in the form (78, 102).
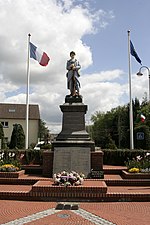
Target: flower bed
(138, 167)
(68, 179)
(10, 169)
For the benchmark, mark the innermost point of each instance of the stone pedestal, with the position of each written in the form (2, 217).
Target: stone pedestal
(73, 146)
(73, 132)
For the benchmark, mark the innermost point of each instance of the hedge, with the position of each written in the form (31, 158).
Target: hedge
(111, 156)
(25, 157)
(120, 156)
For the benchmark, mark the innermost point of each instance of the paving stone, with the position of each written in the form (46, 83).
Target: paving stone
(91, 217)
(75, 207)
(59, 206)
(67, 207)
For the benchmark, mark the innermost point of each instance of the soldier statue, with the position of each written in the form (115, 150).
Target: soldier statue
(73, 67)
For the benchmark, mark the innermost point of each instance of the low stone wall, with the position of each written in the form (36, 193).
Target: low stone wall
(11, 174)
(97, 160)
(127, 175)
(48, 163)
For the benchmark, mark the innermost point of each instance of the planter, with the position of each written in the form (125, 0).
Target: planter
(128, 175)
(12, 174)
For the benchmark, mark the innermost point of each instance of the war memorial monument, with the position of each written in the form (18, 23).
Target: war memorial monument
(73, 146)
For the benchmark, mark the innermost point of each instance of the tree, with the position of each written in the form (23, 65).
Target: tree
(17, 137)
(99, 131)
(112, 128)
(145, 142)
(143, 126)
(43, 131)
(2, 135)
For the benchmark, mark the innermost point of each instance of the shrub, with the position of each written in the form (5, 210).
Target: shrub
(120, 156)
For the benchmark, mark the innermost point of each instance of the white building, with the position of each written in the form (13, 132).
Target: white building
(11, 114)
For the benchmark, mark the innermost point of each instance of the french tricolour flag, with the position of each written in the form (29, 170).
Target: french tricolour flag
(142, 118)
(38, 55)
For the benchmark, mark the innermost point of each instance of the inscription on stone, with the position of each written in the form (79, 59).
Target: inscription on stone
(97, 174)
(72, 158)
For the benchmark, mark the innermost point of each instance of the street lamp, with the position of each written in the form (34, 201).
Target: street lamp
(141, 74)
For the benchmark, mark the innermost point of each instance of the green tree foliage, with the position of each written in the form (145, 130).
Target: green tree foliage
(17, 137)
(112, 129)
(145, 143)
(1, 135)
(43, 131)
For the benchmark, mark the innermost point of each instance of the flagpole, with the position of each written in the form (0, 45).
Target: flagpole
(27, 94)
(130, 94)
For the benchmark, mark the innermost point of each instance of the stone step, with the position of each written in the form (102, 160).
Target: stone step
(108, 169)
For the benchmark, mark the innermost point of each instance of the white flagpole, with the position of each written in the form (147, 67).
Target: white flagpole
(27, 95)
(130, 94)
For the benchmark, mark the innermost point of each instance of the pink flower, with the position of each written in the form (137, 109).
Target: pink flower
(21, 156)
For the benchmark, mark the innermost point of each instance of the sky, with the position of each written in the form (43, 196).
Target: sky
(96, 30)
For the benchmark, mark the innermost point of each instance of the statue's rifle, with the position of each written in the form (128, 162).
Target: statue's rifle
(73, 79)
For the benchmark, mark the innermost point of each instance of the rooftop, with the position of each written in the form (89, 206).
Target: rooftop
(18, 111)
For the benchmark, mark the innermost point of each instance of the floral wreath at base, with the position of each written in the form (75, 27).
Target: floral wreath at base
(68, 179)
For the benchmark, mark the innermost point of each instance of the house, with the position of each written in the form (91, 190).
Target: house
(11, 114)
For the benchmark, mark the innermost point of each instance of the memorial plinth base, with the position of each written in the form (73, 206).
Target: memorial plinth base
(73, 145)
(72, 159)
(96, 160)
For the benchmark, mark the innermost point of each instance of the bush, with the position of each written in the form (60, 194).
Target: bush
(33, 157)
(119, 157)
(17, 137)
(22, 156)
(46, 146)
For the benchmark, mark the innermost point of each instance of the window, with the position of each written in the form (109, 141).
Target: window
(5, 124)
(11, 110)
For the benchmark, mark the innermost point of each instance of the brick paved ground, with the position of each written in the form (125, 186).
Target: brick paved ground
(56, 219)
(120, 213)
(44, 213)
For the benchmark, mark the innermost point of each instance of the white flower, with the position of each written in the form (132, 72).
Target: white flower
(138, 158)
(1, 155)
(11, 154)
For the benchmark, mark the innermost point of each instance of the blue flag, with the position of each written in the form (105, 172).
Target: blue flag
(133, 53)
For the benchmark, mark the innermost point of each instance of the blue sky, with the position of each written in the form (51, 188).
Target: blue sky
(109, 45)
(95, 29)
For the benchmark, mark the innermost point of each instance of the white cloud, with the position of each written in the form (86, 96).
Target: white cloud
(104, 76)
(57, 27)
(140, 85)
(101, 91)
